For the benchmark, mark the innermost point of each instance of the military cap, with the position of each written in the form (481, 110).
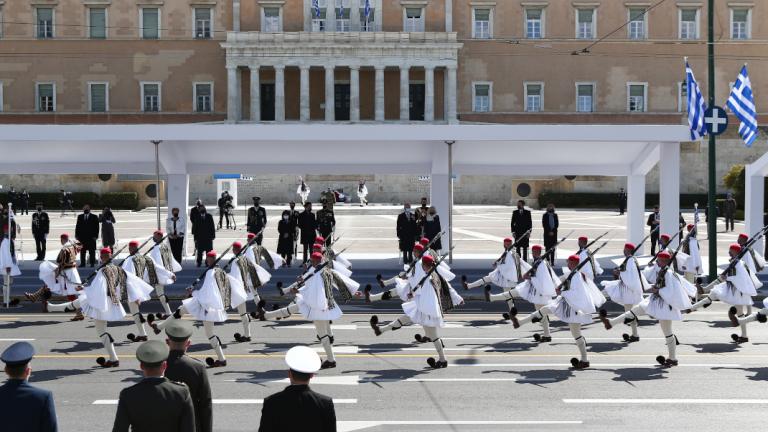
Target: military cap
(152, 352)
(18, 354)
(303, 359)
(179, 330)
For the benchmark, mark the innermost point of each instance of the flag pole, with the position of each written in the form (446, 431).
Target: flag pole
(711, 196)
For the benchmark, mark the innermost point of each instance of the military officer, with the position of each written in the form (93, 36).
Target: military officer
(185, 369)
(257, 219)
(28, 408)
(326, 223)
(155, 403)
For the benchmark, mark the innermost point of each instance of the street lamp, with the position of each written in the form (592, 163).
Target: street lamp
(157, 178)
(712, 157)
(450, 200)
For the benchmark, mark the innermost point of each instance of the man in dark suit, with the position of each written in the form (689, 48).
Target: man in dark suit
(308, 227)
(204, 232)
(280, 412)
(653, 222)
(407, 232)
(550, 222)
(182, 368)
(87, 232)
(521, 223)
(622, 201)
(27, 408)
(155, 403)
(41, 226)
(257, 219)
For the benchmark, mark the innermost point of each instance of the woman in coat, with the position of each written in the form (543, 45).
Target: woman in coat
(107, 220)
(286, 231)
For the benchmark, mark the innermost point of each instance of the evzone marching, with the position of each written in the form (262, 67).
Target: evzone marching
(755, 263)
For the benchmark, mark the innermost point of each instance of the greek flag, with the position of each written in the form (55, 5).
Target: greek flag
(696, 105)
(742, 104)
(367, 10)
(316, 6)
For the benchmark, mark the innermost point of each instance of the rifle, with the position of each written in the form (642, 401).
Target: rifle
(432, 270)
(637, 247)
(202, 275)
(657, 253)
(303, 280)
(150, 249)
(579, 267)
(411, 265)
(544, 254)
(239, 254)
(503, 254)
(596, 239)
(740, 255)
(104, 264)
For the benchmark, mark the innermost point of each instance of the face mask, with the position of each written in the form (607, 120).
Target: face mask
(86, 211)
(285, 218)
(550, 210)
(175, 215)
(39, 209)
(407, 209)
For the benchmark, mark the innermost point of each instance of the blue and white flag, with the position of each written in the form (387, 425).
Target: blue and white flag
(696, 105)
(316, 6)
(367, 10)
(742, 103)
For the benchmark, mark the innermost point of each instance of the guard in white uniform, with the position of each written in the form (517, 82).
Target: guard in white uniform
(144, 268)
(163, 258)
(400, 281)
(754, 261)
(61, 278)
(314, 300)
(593, 268)
(507, 271)
(538, 288)
(362, 192)
(102, 301)
(261, 256)
(427, 307)
(303, 191)
(8, 264)
(577, 299)
(734, 287)
(209, 304)
(693, 265)
(628, 288)
(252, 276)
(669, 296)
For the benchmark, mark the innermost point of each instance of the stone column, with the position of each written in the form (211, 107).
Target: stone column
(233, 95)
(404, 93)
(450, 95)
(440, 189)
(177, 191)
(236, 15)
(448, 15)
(354, 93)
(636, 209)
(669, 189)
(280, 93)
(304, 93)
(329, 94)
(429, 94)
(255, 94)
(753, 203)
(354, 15)
(379, 89)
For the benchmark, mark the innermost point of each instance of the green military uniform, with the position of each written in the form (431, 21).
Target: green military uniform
(326, 221)
(328, 197)
(155, 403)
(191, 372)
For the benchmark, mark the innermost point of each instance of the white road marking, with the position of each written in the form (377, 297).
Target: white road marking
(669, 401)
(353, 380)
(478, 235)
(15, 340)
(593, 365)
(350, 426)
(227, 401)
(312, 327)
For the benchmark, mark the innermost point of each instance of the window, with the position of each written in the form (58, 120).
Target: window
(203, 97)
(367, 23)
(44, 23)
(689, 24)
(637, 23)
(1, 21)
(481, 23)
(98, 97)
(740, 24)
(97, 23)
(342, 16)
(45, 97)
(636, 97)
(414, 20)
(534, 23)
(585, 96)
(481, 96)
(150, 97)
(203, 26)
(682, 100)
(271, 22)
(318, 15)
(150, 23)
(534, 97)
(585, 23)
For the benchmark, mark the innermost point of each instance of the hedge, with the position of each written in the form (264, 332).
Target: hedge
(114, 200)
(610, 200)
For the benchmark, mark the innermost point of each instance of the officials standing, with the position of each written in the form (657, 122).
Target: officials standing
(654, 219)
(41, 226)
(326, 223)
(176, 229)
(622, 201)
(27, 408)
(730, 211)
(192, 372)
(308, 228)
(87, 232)
(204, 232)
(407, 232)
(550, 222)
(521, 223)
(257, 219)
(107, 220)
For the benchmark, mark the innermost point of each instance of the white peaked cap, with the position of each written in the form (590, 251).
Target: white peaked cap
(302, 359)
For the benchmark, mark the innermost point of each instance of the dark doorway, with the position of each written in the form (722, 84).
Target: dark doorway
(341, 101)
(268, 102)
(416, 98)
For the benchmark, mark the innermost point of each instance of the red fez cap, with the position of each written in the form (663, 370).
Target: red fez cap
(424, 241)
(574, 258)
(428, 259)
(237, 245)
(158, 232)
(629, 246)
(690, 227)
(251, 236)
(133, 243)
(537, 247)
(317, 246)
(664, 255)
(508, 240)
(735, 247)
(743, 236)
(317, 256)
(211, 254)
(105, 251)
(665, 237)
(319, 239)
(583, 238)
(64, 236)
(418, 247)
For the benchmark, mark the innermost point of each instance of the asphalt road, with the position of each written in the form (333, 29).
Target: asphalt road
(498, 378)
